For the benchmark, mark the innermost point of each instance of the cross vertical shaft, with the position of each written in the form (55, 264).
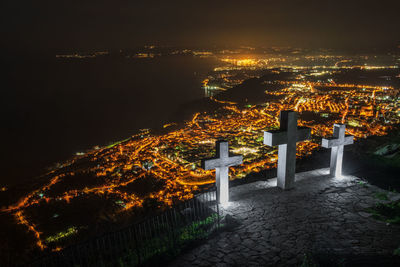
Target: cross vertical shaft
(287, 152)
(337, 151)
(222, 182)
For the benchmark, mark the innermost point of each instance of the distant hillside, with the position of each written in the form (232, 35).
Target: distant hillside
(251, 91)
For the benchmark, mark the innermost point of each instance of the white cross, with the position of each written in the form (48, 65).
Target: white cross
(221, 164)
(337, 143)
(286, 138)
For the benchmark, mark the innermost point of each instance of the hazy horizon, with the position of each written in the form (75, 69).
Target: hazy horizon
(50, 26)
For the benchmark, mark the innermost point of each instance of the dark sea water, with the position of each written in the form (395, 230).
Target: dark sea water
(52, 108)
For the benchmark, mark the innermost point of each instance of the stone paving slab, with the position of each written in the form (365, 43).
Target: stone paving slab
(276, 227)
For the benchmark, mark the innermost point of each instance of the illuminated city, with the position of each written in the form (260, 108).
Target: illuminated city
(165, 167)
(207, 133)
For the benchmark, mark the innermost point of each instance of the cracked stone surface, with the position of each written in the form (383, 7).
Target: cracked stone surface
(276, 227)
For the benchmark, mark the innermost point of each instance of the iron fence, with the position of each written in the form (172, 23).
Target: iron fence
(148, 242)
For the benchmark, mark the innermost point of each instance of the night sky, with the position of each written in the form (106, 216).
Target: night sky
(57, 25)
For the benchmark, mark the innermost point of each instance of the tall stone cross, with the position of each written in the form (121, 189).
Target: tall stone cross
(337, 143)
(221, 164)
(286, 138)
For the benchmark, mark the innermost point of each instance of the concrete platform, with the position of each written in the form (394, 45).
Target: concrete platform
(276, 227)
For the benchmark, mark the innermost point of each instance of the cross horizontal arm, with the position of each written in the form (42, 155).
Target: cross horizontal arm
(274, 138)
(210, 163)
(333, 142)
(235, 160)
(213, 163)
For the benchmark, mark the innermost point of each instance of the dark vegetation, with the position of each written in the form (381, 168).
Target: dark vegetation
(387, 212)
(380, 169)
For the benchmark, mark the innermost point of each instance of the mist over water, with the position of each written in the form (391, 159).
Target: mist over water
(53, 108)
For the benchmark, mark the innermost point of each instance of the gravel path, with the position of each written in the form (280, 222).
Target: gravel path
(275, 227)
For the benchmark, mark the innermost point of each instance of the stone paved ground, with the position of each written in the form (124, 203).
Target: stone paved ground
(275, 227)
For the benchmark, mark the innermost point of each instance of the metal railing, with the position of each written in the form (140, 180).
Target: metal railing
(155, 239)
